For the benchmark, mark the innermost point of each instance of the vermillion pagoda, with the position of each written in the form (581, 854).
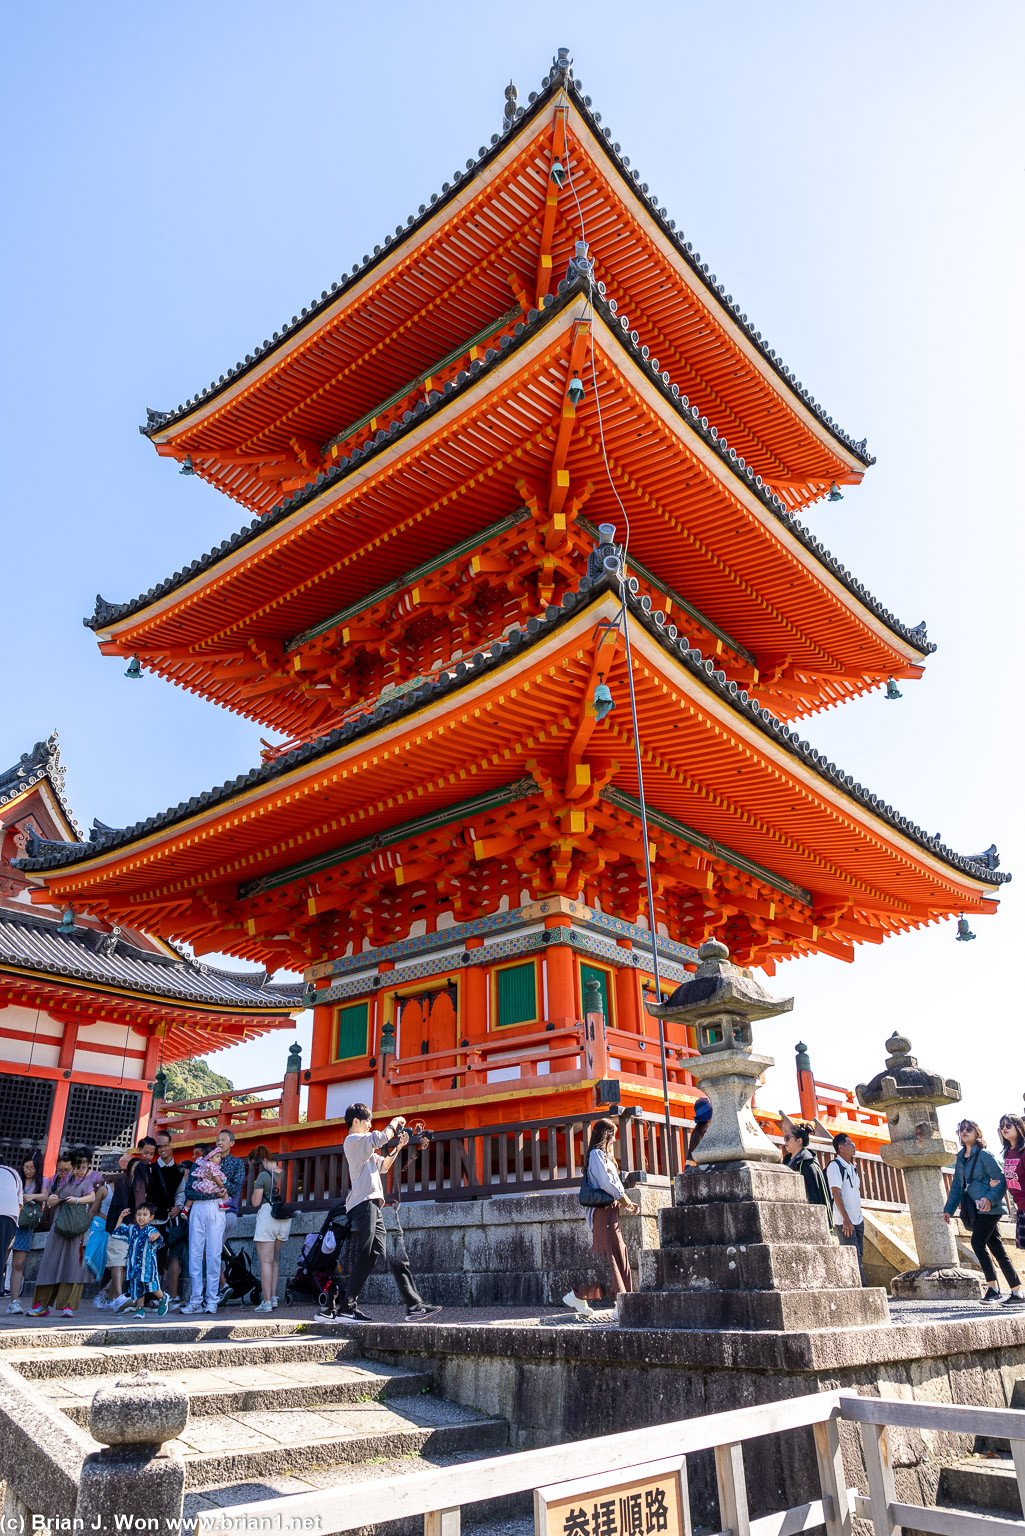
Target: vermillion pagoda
(90, 1012)
(448, 841)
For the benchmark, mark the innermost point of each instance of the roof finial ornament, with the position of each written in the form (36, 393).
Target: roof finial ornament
(562, 64)
(512, 97)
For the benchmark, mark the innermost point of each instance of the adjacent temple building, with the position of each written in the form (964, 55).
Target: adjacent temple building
(528, 442)
(91, 1011)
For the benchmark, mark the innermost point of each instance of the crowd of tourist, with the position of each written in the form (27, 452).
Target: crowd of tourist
(144, 1219)
(133, 1227)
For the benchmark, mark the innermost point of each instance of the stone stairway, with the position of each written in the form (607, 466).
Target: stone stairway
(985, 1483)
(275, 1407)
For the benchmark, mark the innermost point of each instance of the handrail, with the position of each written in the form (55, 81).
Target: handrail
(218, 1098)
(439, 1494)
(447, 1488)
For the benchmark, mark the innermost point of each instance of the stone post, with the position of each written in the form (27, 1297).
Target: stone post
(139, 1474)
(910, 1096)
(742, 1247)
(290, 1086)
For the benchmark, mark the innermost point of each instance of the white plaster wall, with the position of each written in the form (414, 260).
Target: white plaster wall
(43, 1055)
(108, 1066)
(25, 1019)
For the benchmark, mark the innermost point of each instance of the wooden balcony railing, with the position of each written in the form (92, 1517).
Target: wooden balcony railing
(521, 1158)
(535, 1156)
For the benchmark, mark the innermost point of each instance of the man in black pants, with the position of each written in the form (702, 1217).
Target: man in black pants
(363, 1205)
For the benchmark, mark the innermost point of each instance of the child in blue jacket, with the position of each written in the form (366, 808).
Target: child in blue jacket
(141, 1275)
(978, 1193)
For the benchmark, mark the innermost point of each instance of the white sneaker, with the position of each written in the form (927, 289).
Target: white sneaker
(192, 1309)
(572, 1300)
(99, 1300)
(15, 1306)
(119, 1302)
(212, 1311)
(173, 1304)
(264, 1306)
(273, 1302)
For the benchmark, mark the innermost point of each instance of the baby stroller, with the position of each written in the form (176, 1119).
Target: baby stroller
(317, 1271)
(240, 1284)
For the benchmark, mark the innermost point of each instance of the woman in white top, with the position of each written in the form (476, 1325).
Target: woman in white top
(270, 1234)
(603, 1220)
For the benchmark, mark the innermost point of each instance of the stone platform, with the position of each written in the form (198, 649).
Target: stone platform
(554, 1382)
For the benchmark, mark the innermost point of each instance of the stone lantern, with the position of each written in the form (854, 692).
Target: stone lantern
(910, 1097)
(741, 1248)
(721, 1002)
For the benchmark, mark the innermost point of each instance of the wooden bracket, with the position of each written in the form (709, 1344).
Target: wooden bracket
(544, 260)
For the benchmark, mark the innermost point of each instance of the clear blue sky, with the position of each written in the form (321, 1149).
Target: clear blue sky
(178, 180)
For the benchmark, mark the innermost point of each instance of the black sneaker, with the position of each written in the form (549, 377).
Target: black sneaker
(326, 1315)
(992, 1294)
(1014, 1299)
(352, 1313)
(420, 1314)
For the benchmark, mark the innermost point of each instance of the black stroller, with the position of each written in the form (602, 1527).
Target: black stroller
(240, 1284)
(317, 1272)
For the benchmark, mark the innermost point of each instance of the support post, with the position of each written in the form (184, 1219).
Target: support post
(729, 1476)
(806, 1092)
(881, 1491)
(55, 1132)
(832, 1479)
(442, 1522)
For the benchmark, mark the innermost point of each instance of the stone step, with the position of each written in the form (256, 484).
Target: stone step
(255, 1444)
(987, 1483)
(243, 1348)
(750, 1267)
(277, 1384)
(742, 1221)
(791, 1311)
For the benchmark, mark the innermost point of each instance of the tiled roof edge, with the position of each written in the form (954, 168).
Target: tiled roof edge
(109, 613)
(157, 421)
(43, 762)
(450, 681)
(273, 996)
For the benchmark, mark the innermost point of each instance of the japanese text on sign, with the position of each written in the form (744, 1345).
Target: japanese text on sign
(647, 1501)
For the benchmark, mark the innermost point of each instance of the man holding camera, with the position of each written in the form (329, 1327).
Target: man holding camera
(363, 1204)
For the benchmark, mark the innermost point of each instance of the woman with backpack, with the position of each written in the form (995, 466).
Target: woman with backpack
(602, 1195)
(977, 1193)
(271, 1231)
(798, 1156)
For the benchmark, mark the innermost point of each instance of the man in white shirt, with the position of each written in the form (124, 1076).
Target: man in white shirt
(363, 1204)
(845, 1188)
(12, 1198)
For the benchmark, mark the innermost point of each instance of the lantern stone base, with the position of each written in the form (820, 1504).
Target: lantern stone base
(742, 1249)
(946, 1284)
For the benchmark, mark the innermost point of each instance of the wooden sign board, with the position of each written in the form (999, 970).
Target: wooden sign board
(646, 1500)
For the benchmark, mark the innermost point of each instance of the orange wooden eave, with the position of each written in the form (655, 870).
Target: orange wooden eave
(707, 765)
(694, 522)
(460, 270)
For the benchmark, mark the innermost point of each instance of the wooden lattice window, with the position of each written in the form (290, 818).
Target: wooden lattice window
(25, 1104)
(102, 1118)
(516, 994)
(351, 1031)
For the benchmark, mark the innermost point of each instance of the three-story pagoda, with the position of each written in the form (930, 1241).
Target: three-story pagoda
(532, 388)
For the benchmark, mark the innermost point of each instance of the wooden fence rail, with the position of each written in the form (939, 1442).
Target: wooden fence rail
(440, 1494)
